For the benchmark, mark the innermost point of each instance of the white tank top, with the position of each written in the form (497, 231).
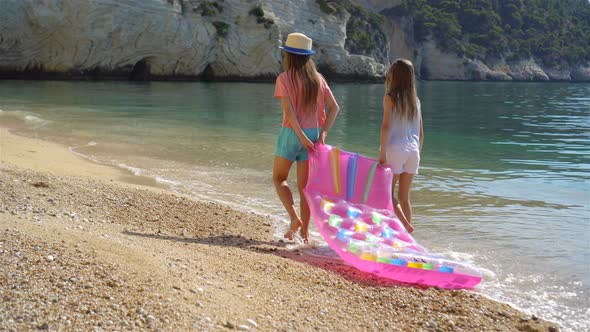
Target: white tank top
(403, 133)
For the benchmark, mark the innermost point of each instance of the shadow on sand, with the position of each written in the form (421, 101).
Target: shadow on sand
(306, 255)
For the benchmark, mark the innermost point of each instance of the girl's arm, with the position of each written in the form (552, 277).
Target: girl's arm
(333, 110)
(292, 118)
(387, 106)
(421, 134)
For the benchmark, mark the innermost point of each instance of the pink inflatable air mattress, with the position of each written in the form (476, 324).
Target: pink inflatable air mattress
(350, 201)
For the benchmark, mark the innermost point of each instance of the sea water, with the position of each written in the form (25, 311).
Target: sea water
(503, 184)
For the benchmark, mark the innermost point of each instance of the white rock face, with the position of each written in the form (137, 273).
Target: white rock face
(558, 74)
(527, 70)
(169, 37)
(401, 42)
(81, 35)
(581, 74)
(480, 71)
(436, 63)
(328, 33)
(249, 49)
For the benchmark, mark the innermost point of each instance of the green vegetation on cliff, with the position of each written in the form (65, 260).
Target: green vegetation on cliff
(553, 32)
(365, 30)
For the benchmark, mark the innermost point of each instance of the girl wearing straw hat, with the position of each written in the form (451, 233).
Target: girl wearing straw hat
(304, 94)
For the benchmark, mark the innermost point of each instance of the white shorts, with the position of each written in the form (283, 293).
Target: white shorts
(403, 161)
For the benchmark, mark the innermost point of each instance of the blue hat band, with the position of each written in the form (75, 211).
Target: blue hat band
(299, 51)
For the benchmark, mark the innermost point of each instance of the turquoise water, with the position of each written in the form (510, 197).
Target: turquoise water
(504, 178)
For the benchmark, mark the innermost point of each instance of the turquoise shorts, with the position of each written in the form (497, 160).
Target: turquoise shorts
(289, 146)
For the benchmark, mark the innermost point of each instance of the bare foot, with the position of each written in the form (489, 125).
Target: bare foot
(295, 224)
(304, 234)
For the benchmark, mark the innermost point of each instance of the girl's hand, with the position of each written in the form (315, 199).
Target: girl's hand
(307, 143)
(323, 135)
(382, 159)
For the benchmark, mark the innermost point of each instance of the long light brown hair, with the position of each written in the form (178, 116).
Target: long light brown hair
(303, 67)
(400, 86)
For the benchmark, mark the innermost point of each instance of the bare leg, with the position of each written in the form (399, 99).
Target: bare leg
(405, 183)
(302, 173)
(280, 173)
(397, 209)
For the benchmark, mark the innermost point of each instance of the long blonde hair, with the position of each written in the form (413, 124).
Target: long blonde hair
(399, 85)
(302, 66)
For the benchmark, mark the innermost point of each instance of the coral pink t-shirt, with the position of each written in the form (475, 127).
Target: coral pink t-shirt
(312, 118)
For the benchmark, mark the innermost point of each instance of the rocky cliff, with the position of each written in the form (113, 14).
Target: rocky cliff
(139, 39)
(433, 63)
(227, 39)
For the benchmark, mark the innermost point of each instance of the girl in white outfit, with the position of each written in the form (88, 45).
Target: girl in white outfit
(401, 135)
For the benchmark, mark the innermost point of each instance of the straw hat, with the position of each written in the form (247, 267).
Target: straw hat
(298, 43)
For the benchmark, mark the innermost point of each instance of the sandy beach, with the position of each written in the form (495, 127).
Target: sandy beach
(85, 246)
